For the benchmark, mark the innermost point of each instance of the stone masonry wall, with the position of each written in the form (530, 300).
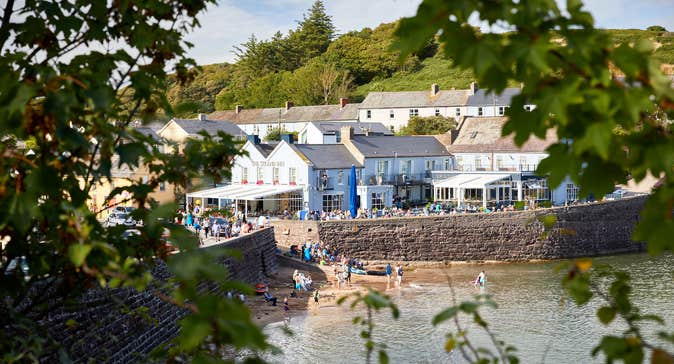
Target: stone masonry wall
(289, 232)
(124, 325)
(585, 230)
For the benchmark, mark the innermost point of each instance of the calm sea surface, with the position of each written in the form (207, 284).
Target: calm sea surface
(533, 315)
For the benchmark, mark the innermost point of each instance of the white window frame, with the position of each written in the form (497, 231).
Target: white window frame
(480, 111)
(340, 177)
(292, 175)
(276, 173)
(260, 174)
(437, 112)
(333, 201)
(378, 200)
(457, 112)
(368, 114)
(391, 114)
(244, 175)
(414, 112)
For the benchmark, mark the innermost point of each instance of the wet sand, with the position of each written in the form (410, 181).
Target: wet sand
(280, 286)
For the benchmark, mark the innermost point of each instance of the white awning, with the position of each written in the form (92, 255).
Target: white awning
(472, 180)
(244, 192)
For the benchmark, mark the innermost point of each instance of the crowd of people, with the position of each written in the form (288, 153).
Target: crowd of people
(208, 223)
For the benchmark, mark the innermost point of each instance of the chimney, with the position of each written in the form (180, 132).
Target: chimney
(203, 117)
(253, 138)
(288, 138)
(289, 104)
(473, 88)
(346, 133)
(238, 108)
(342, 102)
(435, 89)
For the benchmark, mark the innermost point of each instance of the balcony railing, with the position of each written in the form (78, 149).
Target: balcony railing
(504, 168)
(395, 179)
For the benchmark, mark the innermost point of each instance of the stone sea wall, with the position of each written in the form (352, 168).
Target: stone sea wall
(124, 325)
(289, 232)
(586, 230)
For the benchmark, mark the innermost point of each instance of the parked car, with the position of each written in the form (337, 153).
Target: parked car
(124, 209)
(119, 218)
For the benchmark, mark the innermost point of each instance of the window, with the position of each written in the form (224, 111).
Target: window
(340, 177)
(338, 136)
(478, 164)
(378, 200)
(256, 130)
(332, 202)
(473, 135)
(392, 128)
(499, 162)
(414, 112)
(391, 114)
(479, 111)
(571, 192)
(430, 165)
(260, 174)
(459, 162)
(244, 175)
(162, 186)
(437, 112)
(457, 112)
(368, 114)
(270, 127)
(292, 175)
(295, 202)
(501, 110)
(382, 168)
(523, 164)
(406, 167)
(447, 164)
(275, 173)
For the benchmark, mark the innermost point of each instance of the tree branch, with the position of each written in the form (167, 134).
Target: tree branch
(4, 28)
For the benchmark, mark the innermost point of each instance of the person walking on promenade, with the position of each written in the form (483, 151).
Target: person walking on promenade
(389, 271)
(216, 231)
(207, 227)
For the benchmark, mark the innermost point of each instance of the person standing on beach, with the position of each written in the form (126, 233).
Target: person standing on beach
(389, 271)
(399, 273)
(316, 297)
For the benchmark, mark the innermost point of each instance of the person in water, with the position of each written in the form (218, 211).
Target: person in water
(481, 279)
(399, 273)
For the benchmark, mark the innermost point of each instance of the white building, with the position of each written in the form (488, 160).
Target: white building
(291, 118)
(491, 169)
(394, 109)
(328, 132)
(179, 130)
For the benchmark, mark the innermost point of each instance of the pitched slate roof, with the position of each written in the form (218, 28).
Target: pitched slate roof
(399, 146)
(265, 149)
(383, 100)
(483, 135)
(327, 127)
(295, 114)
(212, 127)
(327, 156)
(482, 97)
(148, 131)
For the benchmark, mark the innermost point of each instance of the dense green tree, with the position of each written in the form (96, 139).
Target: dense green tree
(318, 83)
(73, 76)
(314, 33)
(656, 28)
(428, 125)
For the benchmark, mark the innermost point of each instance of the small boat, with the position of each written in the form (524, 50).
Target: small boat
(357, 271)
(376, 272)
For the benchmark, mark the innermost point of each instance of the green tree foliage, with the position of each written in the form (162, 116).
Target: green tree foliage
(428, 125)
(275, 134)
(314, 34)
(198, 95)
(656, 28)
(564, 64)
(74, 76)
(318, 83)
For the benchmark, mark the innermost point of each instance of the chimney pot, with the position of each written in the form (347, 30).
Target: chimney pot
(289, 104)
(238, 108)
(342, 102)
(435, 89)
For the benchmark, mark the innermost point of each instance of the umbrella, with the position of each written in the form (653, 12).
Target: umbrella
(353, 197)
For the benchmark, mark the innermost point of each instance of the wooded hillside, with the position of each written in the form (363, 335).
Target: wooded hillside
(312, 65)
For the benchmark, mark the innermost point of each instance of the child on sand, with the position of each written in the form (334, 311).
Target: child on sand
(316, 297)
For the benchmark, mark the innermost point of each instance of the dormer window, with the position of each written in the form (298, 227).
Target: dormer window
(368, 114)
(480, 111)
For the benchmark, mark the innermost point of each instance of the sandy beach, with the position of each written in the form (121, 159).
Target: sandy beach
(280, 286)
